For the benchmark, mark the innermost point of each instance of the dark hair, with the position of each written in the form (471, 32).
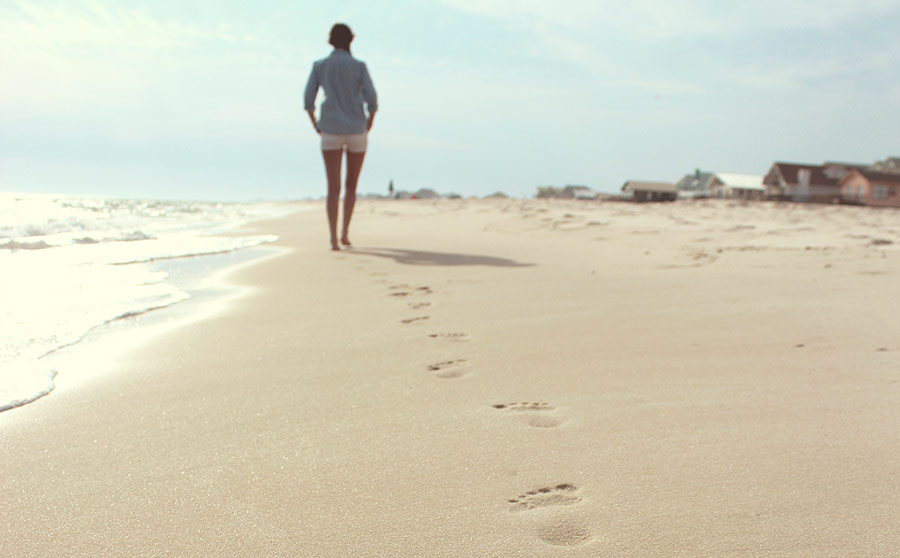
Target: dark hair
(340, 36)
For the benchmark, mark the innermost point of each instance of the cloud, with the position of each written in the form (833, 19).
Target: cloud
(626, 44)
(565, 13)
(96, 23)
(97, 63)
(665, 19)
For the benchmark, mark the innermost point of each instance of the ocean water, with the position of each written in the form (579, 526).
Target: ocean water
(71, 265)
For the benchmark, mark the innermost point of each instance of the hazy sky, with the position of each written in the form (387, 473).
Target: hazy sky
(202, 98)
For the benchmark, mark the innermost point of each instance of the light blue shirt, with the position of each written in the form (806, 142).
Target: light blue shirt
(347, 86)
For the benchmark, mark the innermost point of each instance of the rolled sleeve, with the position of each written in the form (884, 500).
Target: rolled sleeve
(312, 89)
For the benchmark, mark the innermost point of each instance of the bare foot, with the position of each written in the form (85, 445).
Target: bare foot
(345, 241)
(335, 248)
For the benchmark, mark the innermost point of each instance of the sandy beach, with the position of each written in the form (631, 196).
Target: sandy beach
(498, 378)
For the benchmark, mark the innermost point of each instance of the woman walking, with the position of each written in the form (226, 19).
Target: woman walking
(343, 124)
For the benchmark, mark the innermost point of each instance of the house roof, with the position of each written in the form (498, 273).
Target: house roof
(880, 177)
(838, 170)
(860, 166)
(640, 186)
(741, 181)
(698, 181)
(790, 171)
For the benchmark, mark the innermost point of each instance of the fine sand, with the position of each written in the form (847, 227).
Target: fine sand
(498, 378)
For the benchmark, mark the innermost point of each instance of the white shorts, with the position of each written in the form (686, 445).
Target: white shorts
(355, 143)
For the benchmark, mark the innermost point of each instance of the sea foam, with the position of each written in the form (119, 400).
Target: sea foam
(70, 265)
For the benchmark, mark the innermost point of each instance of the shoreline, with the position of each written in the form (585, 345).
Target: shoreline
(77, 363)
(498, 378)
(204, 278)
(83, 266)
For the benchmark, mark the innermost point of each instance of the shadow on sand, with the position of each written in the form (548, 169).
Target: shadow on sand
(418, 257)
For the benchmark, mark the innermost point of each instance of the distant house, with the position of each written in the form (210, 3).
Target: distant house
(650, 191)
(694, 185)
(582, 192)
(802, 183)
(871, 188)
(891, 164)
(570, 191)
(426, 194)
(735, 185)
(548, 192)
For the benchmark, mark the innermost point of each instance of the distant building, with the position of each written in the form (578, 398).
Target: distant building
(739, 186)
(426, 194)
(803, 183)
(567, 192)
(582, 192)
(694, 185)
(640, 191)
(871, 188)
(891, 165)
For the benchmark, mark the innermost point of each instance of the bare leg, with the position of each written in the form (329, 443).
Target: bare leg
(332, 159)
(354, 166)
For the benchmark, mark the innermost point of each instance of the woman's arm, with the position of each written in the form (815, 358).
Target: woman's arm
(309, 97)
(312, 118)
(369, 95)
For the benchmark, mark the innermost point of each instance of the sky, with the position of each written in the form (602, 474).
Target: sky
(202, 99)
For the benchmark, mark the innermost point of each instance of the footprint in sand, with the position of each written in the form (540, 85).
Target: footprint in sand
(556, 528)
(450, 336)
(560, 495)
(399, 290)
(417, 319)
(417, 305)
(406, 290)
(539, 415)
(449, 368)
(564, 531)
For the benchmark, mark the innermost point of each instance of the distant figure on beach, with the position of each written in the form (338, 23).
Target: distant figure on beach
(342, 123)
(391, 188)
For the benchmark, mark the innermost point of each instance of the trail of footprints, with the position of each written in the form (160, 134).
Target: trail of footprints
(405, 290)
(552, 525)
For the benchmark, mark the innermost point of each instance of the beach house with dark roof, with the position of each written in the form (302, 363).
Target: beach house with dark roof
(864, 187)
(640, 191)
(803, 183)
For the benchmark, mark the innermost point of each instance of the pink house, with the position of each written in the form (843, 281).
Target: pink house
(871, 188)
